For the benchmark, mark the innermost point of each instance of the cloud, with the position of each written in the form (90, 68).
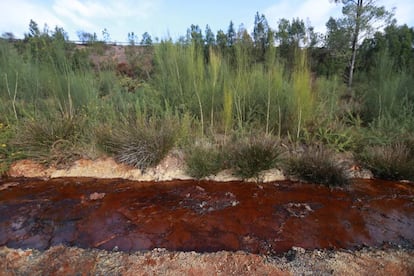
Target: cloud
(84, 13)
(404, 10)
(317, 12)
(16, 15)
(94, 15)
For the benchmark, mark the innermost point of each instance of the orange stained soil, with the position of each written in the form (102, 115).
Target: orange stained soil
(203, 216)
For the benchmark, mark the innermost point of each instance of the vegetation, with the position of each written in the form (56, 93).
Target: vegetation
(52, 140)
(251, 156)
(204, 160)
(60, 101)
(140, 144)
(393, 161)
(317, 165)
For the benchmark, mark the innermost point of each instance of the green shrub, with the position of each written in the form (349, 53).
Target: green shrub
(140, 144)
(54, 141)
(317, 165)
(8, 152)
(393, 161)
(337, 138)
(249, 157)
(203, 161)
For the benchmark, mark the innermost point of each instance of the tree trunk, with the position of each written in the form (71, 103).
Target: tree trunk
(355, 42)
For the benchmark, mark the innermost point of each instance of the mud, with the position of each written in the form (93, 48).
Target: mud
(202, 216)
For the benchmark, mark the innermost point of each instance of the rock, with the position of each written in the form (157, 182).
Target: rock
(27, 168)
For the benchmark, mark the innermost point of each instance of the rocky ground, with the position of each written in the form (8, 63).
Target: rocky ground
(60, 260)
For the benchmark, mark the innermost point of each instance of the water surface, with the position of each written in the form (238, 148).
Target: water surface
(203, 216)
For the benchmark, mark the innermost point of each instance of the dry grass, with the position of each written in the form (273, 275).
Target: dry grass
(393, 162)
(251, 156)
(317, 165)
(139, 144)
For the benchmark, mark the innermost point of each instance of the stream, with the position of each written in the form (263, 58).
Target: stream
(203, 216)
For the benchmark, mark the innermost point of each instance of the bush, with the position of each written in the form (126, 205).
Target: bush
(204, 161)
(8, 153)
(51, 141)
(139, 144)
(249, 157)
(317, 165)
(392, 162)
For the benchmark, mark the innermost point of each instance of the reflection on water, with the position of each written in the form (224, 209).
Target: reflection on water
(203, 216)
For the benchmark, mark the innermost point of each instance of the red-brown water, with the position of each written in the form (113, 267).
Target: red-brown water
(203, 216)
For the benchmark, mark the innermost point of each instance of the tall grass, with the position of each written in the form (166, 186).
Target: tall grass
(388, 91)
(31, 88)
(303, 99)
(234, 93)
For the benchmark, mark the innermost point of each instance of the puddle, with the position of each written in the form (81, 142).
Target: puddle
(203, 216)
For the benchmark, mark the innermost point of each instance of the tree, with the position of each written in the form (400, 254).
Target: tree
(132, 38)
(400, 42)
(209, 42)
(8, 35)
(60, 34)
(221, 40)
(332, 58)
(312, 38)
(243, 37)
(146, 39)
(231, 35)
(86, 37)
(209, 37)
(361, 18)
(196, 35)
(106, 36)
(290, 35)
(297, 33)
(33, 29)
(396, 41)
(262, 35)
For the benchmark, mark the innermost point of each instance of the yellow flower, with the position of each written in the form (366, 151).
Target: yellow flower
(3, 145)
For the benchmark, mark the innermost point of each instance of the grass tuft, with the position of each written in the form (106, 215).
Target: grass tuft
(50, 141)
(392, 162)
(250, 157)
(203, 161)
(141, 144)
(317, 165)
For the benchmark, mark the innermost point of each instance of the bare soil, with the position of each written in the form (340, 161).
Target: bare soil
(60, 260)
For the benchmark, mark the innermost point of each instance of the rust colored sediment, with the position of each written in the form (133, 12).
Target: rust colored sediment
(203, 216)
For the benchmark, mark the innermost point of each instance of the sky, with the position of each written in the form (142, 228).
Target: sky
(170, 18)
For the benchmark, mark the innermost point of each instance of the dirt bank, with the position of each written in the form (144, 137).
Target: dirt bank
(172, 167)
(60, 260)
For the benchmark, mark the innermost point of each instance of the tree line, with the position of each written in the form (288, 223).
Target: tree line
(351, 42)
